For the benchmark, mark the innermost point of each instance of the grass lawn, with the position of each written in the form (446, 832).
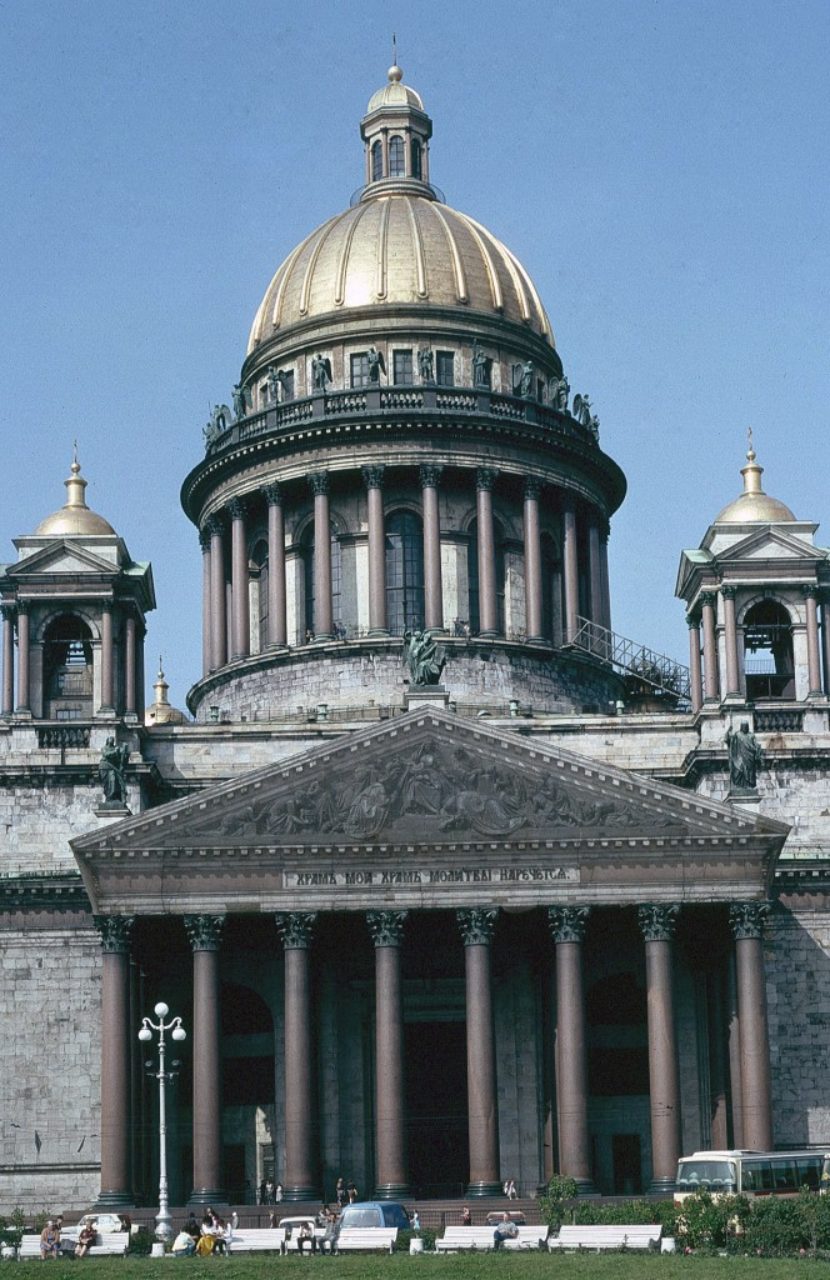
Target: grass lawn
(525, 1266)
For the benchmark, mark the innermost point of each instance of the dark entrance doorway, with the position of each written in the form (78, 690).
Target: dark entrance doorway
(436, 1083)
(625, 1149)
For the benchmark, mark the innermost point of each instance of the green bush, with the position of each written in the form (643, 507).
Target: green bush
(704, 1224)
(592, 1213)
(404, 1237)
(141, 1242)
(556, 1199)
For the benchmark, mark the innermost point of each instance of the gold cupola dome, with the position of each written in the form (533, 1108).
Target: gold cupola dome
(754, 506)
(399, 243)
(74, 517)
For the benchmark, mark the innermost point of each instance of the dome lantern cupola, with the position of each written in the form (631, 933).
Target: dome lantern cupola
(396, 132)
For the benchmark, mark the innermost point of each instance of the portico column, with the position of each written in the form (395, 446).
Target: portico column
(813, 659)
(299, 1180)
(239, 581)
(277, 626)
(219, 644)
(730, 638)
(746, 919)
(107, 700)
(476, 927)
(710, 647)
(373, 479)
(657, 924)
(115, 1061)
(567, 926)
(433, 586)
(488, 618)
(386, 928)
(204, 543)
(205, 935)
(8, 659)
(319, 482)
(23, 704)
(129, 666)
(594, 573)
(571, 567)
(825, 636)
(695, 673)
(533, 560)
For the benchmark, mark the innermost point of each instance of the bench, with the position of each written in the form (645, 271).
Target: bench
(637, 1236)
(455, 1238)
(257, 1240)
(113, 1244)
(353, 1239)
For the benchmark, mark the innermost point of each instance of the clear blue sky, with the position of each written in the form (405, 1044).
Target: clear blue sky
(660, 166)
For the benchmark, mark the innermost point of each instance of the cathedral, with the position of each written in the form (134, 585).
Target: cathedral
(447, 882)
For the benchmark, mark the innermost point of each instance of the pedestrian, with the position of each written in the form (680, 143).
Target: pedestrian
(466, 1217)
(340, 1192)
(415, 1222)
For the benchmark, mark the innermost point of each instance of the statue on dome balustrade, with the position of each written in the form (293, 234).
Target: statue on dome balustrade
(481, 366)
(320, 372)
(558, 391)
(425, 365)
(219, 422)
(240, 405)
(275, 379)
(376, 364)
(423, 657)
(524, 380)
(585, 415)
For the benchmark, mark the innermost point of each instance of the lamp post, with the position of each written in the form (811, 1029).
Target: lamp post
(164, 1229)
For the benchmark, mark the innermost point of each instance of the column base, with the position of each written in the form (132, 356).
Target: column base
(208, 1195)
(321, 637)
(585, 1187)
(480, 1189)
(392, 1191)
(303, 1192)
(378, 633)
(114, 1200)
(661, 1187)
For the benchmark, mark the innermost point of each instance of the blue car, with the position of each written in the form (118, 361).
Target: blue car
(375, 1213)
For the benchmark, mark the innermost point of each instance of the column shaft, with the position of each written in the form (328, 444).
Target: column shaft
(606, 585)
(299, 1171)
(433, 586)
(8, 662)
(570, 558)
(710, 649)
(754, 1039)
(572, 1066)
(813, 658)
(239, 580)
(825, 636)
(218, 648)
(23, 703)
(323, 618)
(533, 562)
(389, 1066)
(718, 1060)
(487, 601)
(277, 626)
(129, 667)
(730, 637)
(595, 574)
(204, 933)
(139, 670)
(734, 1050)
(657, 923)
(695, 670)
(107, 700)
(481, 1073)
(115, 1062)
(204, 540)
(373, 478)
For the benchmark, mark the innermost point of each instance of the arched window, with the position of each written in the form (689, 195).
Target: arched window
(67, 669)
(768, 651)
(377, 161)
(416, 158)
(551, 591)
(472, 577)
(258, 570)
(404, 572)
(396, 158)
(336, 582)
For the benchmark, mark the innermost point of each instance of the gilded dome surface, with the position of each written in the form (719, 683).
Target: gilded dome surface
(395, 94)
(399, 248)
(75, 517)
(753, 505)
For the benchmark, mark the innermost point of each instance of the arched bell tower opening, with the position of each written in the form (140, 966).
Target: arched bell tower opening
(768, 651)
(68, 669)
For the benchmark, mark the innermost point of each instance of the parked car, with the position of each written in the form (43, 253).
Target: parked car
(375, 1213)
(104, 1223)
(497, 1215)
(292, 1226)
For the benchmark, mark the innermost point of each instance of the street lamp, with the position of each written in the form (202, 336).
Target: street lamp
(164, 1229)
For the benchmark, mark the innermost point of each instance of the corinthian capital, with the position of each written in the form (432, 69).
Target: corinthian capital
(204, 933)
(567, 924)
(115, 932)
(476, 925)
(386, 927)
(657, 921)
(747, 919)
(296, 928)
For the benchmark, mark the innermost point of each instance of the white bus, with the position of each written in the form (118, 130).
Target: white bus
(752, 1173)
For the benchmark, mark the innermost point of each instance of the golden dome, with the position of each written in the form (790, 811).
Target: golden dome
(75, 517)
(395, 93)
(160, 711)
(399, 248)
(753, 505)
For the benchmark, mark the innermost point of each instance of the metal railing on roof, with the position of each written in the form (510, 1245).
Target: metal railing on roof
(633, 659)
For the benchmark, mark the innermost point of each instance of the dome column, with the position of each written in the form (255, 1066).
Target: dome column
(595, 574)
(533, 561)
(433, 586)
(476, 927)
(129, 666)
(487, 605)
(570, 557)
(695, 673)
(107, 666)
(239, 581)
(295, 928)
(319, 482)
(710, 648)
(386, 928)
(218, 644)
(373, 480)
(8, 659)
(606, 583)
(813, 659)
(23, 695)
(277, 626)
(567, 926)
(204, 543)
(730, 639)
(657, 924)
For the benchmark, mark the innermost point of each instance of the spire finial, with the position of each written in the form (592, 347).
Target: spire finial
(394, 73)
(752, 472)
(750, 453)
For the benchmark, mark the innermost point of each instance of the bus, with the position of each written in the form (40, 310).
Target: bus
(752, 1173)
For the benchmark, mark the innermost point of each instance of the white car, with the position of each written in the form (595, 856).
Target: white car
(104, 1223)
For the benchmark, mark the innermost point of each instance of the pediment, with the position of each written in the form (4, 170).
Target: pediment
(62, 557)
(769, 543)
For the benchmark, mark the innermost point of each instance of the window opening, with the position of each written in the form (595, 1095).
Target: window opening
(416, 158)
(377, 161)
(402, 368)
(445, 368)
(359, 365)
(404, 572)
(396, 158)
(768, 651)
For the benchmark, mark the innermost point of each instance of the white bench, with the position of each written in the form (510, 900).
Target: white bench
(455, 1238)
(636, 1236)
(113, 1244)
(353, 1239)
(257, 1240)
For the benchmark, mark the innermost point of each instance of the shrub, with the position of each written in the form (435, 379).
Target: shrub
(553, 1204)
(141, 1242)
(704, 1223)
(404, 1237)
(590, 1213)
